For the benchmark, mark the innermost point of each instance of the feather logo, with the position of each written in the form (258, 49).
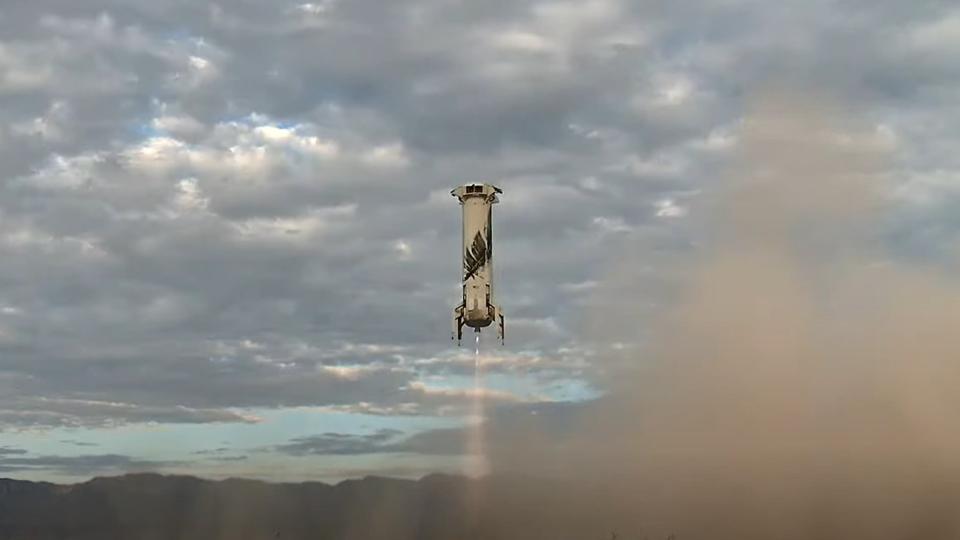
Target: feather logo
(474, 257)
(489, 232)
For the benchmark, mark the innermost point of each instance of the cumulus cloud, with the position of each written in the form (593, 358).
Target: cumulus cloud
(209, 207)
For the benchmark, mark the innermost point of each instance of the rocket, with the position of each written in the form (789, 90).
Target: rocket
(477, 309)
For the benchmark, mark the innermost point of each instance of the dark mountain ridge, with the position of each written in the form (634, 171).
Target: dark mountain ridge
(159, 507)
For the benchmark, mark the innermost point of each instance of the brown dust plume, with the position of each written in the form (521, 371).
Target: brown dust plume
(800, 383)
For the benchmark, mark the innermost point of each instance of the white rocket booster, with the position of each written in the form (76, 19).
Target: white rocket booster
(477, 309)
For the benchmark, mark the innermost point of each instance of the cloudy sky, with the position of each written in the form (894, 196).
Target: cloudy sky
(228, 245)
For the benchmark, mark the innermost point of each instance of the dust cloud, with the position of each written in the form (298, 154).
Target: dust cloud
(802, 382)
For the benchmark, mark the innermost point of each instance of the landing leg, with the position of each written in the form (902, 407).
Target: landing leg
(457, 325)
(498, 317)
(502, 331)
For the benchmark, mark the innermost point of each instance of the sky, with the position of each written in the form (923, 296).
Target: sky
(228, 241)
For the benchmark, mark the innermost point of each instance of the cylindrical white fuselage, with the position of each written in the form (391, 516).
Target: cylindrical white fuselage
(477, 309)
(477, 202)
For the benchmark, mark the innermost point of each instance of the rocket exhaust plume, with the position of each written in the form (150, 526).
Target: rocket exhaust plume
(799, 383)
(476, 452)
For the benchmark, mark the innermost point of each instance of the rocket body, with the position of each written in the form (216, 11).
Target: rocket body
(477, 309)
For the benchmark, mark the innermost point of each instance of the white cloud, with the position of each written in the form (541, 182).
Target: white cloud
(178, 125)
(189, 196)
(522, 41)
(292, 138)
(488, 394)
(718, 140)
(580, 286)
(668, 208)
(65, 172)
(392, 155)
(243, 151)
(22, 69)
(350, 373)
(403, 249)
(660, 164)
(295, 229)
(194, 72)
(928, 188)
(573, 19)
(365, 407)
(316, 9)
(590, 183)
(675, 92)
(200, 64)
(49, 126)
(611, 224)
(940, 36)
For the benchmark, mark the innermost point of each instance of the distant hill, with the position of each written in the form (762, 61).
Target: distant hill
(158, 507)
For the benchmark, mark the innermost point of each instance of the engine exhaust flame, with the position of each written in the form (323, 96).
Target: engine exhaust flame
(476, 452)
